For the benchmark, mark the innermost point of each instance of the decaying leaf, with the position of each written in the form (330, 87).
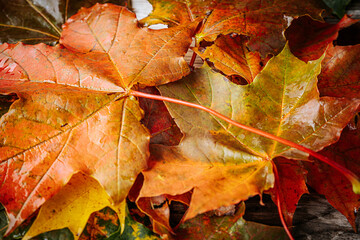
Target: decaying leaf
(176, 12)
(262, 21)
(101, 225)
(282, 100)
(64, 129)
(162, 212)
(206, 226)
(214, 181)
(134, 230)
(139, 55)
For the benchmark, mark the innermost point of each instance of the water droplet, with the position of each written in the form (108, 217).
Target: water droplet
(2, 62)
(11, 67)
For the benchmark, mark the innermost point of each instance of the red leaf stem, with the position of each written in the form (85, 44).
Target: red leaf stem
(192, 61)
(347, 173)
(278, 202)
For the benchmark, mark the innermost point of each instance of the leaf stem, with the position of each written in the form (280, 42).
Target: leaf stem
(29, 29)
(347, 173)
(44, 17)
(66, 10)
(278, 202)
(189, 12)
(192, 61)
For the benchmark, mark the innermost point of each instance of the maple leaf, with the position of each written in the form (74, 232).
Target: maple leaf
(74, 113)
(72, 207)
(336, 188)
(273, 102)
(81, 132)
(222, 162)
(340, 72)
(64, 126)
(262, 21)
(291, 186)
(110, 53)
(230, 55)
(211, 179)
(308, 39)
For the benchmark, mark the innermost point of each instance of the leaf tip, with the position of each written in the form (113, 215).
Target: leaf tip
(356, 186)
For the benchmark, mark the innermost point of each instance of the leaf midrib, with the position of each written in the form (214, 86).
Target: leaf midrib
(107, 52)
(119, 96)
(225, 128)
(69, 130)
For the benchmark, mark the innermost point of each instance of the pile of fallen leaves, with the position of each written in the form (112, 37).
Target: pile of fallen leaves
(79, 138)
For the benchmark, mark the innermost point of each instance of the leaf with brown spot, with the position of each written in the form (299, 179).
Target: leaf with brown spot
(101, 225)
(210, 226)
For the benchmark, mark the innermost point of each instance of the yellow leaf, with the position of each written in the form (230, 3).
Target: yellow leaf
(72, 207)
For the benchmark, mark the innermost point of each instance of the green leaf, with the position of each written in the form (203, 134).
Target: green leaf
(338, 6)
(133, 230)
(210, 226)
(101, 225)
